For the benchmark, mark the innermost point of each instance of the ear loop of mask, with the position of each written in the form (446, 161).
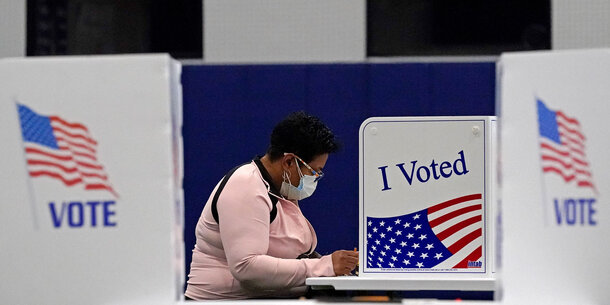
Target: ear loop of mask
(296, 162)
(272, 194)
(286, 176)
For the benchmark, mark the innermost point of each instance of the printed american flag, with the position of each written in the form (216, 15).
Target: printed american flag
(444, 236)
(61, 150)
(562, 147)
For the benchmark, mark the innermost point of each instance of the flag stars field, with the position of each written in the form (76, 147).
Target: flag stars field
(453, 228)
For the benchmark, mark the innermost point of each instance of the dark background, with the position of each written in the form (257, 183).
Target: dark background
(394, 27)
(78, 27)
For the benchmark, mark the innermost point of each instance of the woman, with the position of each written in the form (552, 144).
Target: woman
(252, 239)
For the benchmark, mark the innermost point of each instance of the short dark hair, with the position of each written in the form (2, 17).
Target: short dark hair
(303, 135)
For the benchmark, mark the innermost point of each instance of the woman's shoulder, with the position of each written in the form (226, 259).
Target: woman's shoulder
(247, 172)
(247, 178)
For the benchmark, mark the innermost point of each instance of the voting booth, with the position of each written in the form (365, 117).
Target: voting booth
(92, 208)
(555, 172)
(426, 205)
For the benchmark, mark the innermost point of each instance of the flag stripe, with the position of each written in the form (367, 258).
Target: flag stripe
(472, 257)
(585, 184)
(452, 239)
(52, 164)
(549, 160)
(550, 156)
(447, 224)
(72, 143)
(565, 139)
(564, 151)
(89, 165)
(33, 150)
(74, 135)
(81, 154)
(56, 176)
(457, 246)
(446, 217)
(555, 150)
(583, 172)
(94, 175)
(580, 162)
(451, 202)
(71, 125)
(569, 177)
(561, 115)
(567, 132)
(555, 159)
(576, 150)
(571, 131)
(453, 229)
(98, 186)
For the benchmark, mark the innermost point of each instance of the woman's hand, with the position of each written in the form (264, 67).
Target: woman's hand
(344, 261)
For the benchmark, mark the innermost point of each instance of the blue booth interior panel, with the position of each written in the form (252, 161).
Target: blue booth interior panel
(230, 110)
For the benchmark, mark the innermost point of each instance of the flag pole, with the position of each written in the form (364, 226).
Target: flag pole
(545, 203)
(31, 193)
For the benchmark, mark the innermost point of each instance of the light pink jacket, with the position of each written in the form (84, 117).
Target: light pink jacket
(245, 256)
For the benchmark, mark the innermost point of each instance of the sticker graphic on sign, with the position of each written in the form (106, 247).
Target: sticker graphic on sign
(430, 238)
(65, 151)
(62, 150)
(567, 176)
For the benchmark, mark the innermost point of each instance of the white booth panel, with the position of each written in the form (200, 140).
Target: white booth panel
(91, 202)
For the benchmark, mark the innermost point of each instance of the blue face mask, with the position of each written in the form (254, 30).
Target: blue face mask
(307, 185)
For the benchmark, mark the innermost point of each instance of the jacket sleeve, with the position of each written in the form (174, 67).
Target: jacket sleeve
(244, 230)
